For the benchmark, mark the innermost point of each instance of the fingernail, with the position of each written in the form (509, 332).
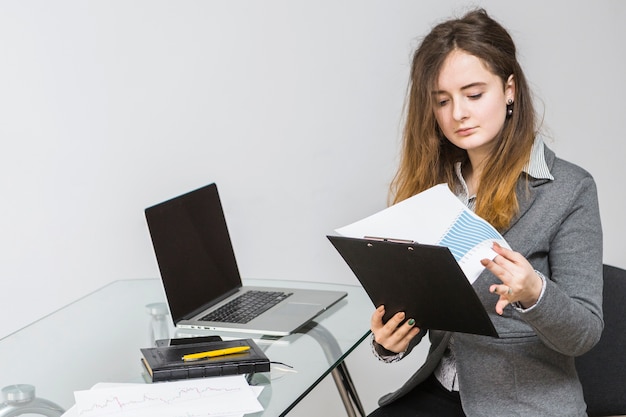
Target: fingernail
(411, 322)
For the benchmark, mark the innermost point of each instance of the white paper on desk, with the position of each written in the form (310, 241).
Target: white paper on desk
(228, 396)
(434, 217)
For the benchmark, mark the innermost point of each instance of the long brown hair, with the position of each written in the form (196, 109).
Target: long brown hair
(427, 157)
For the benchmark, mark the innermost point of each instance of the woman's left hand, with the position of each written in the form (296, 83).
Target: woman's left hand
(520, 282)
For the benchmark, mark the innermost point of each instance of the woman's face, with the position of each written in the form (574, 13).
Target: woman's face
(470, 103)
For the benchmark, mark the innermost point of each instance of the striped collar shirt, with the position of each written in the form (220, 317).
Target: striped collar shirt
(536, 167)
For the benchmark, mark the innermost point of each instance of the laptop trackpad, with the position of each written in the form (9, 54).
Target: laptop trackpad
(299, 309)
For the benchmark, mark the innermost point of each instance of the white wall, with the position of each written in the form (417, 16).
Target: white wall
(292, 107)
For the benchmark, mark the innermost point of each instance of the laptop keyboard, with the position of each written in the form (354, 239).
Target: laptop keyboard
(246, 307)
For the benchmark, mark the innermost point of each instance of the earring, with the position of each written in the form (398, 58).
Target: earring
(509, 108)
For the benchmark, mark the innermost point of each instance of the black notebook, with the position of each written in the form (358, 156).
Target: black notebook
(425, 281)
(166, 364)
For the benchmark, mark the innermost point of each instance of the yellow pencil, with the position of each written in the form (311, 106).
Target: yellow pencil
(212, 353)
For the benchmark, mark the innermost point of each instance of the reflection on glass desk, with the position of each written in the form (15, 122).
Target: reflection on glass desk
(97, 339)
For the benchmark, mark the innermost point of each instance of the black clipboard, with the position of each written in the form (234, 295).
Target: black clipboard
(425, 281)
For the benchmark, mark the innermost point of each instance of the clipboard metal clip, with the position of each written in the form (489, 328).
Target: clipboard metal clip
(386, 239)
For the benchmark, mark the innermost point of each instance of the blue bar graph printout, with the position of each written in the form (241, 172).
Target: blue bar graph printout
(467, 232)
(435, 217)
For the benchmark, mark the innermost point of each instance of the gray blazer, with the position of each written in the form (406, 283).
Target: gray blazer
(529, 370)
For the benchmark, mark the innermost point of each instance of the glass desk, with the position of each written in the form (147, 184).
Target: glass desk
(97, 339)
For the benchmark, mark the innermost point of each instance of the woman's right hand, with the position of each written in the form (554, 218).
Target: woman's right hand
(391, 335)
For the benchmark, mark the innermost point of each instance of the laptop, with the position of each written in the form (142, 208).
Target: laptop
(201, 278)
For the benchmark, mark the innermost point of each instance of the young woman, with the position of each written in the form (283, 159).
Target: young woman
(471, 124)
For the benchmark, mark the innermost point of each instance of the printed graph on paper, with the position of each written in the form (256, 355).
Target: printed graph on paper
(466, 233)
(434, 217)
(186, 398)
(470, 239)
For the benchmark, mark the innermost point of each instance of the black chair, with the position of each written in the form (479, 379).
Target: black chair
(602, 370)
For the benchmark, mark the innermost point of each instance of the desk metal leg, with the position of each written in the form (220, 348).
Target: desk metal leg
(340, 373)
(347, 391)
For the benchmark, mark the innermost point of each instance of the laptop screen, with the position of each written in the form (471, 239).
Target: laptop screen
(193, 250)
